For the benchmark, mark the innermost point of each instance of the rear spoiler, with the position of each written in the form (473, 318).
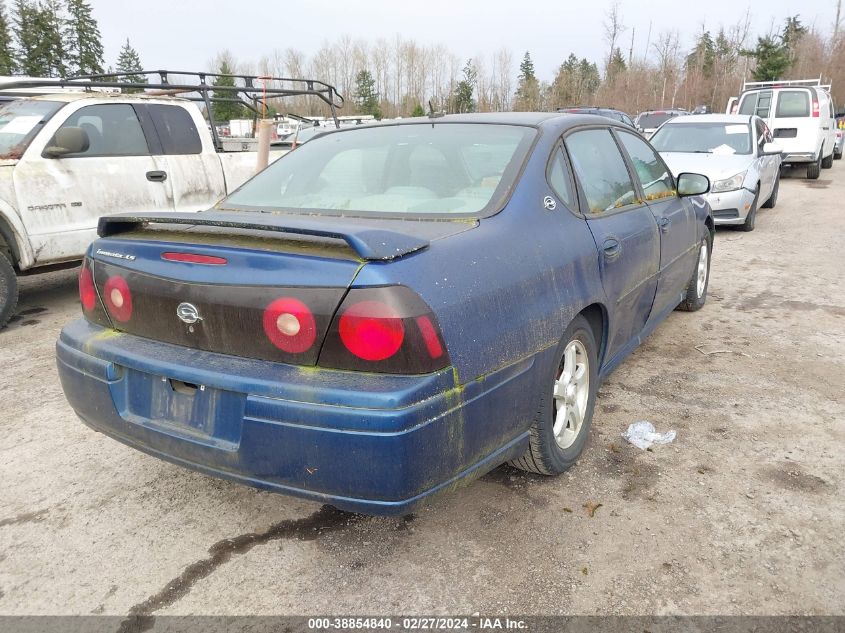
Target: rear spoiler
(371, 239)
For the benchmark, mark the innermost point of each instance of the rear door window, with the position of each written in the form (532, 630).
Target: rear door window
(759, 103)
(792, 104)
(176, 129)
(601, 170)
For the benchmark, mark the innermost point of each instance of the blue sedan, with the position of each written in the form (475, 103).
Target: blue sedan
(389, 310)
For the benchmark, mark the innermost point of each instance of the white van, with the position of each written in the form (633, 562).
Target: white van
(800, 115)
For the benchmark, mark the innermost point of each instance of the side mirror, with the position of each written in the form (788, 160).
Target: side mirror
(67, 140)
(770, 149)
(693, 184)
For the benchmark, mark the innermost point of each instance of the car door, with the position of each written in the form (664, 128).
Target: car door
(623, 228)
(674, 218)
(767, 165)
(66, 196)
(190, 164)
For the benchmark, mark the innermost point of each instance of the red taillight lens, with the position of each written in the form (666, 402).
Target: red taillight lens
(371, 330)
(118, 298)
(388, 329)
(290, 325)
(87, 292)
(193, 258)
(815, 108)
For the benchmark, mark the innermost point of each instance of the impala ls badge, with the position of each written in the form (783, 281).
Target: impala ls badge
(549, 203)
(188, 313)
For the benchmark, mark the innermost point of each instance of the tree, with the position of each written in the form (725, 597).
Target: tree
(528, 88)
(366, 97)
(7, 60)
(464, 99)
(85, 50)
(418, 110)
(226, 110)
(38, 35)
(772, 56)
(129, 63)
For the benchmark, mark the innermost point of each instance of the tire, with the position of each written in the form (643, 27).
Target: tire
(814, 169)
(751, 218)
(8, 290)
(827, 163)
(547, 453)
(696, 294)
(837, 156)
(773, 199)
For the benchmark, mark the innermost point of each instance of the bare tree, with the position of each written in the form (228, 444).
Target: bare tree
(613, 28)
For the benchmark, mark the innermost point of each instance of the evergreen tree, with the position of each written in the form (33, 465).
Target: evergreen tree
(418, 110)
(366, 97)
(52, 25)
(130, 62)
(703, 56)
(464, 101)
(772, 56)
(528, 88)
(27, 35)
(616, 65)
(226, 110)
(7, 61)
(85, 50)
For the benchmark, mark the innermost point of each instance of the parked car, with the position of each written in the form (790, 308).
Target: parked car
(840, 138)
(647, 122)
(800, 115)
(610, 113)
(735, 152)
(389, 309)
(68, 158)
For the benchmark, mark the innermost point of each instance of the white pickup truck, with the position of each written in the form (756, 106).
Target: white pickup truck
(68, 158)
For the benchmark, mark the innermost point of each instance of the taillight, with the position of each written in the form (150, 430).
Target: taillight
(87, 291)
(815, 108)
(118, 298)
(386, 330)
(290, 325)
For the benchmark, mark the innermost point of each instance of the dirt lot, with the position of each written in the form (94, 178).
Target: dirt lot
(744, 513)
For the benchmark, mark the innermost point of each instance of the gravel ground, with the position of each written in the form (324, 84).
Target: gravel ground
(743, 514)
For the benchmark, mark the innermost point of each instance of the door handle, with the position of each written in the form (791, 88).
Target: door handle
(664, 224)
(611, 248)
(157, 176)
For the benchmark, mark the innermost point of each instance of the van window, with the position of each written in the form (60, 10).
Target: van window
(793, 103)
(758, 102)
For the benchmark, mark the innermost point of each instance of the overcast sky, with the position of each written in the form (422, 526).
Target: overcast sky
(186, 34)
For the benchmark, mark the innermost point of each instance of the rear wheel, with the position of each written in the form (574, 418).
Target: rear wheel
(8, 289)
(696, 294)
(773, 199)
(814, 169)
(827, 163)
(565, 410)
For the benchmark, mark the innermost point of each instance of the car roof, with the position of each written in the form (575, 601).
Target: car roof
(711, 118)
(559, 121)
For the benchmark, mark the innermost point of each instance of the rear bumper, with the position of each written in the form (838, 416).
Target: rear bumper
(378, 444)
(799, 157)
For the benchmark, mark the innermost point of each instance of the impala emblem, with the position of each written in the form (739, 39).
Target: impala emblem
(549, 203)
(188, 313)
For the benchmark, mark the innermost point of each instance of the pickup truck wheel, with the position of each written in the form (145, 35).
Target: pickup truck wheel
(697, 288)
(566, 404)
(773, 199)
(814, 169)
(8, 290)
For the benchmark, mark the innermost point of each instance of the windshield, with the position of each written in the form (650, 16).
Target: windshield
(706, 138)
(653, 119)
(409, 169)
(20, 121)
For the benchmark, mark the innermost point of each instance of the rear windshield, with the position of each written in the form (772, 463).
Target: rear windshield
(793, 103)
(20, 121)
(408, 169)
(653, 120)
(703, 138)
(758, 102)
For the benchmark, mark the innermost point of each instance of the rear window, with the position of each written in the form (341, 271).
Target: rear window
(758, 102)
(407, 169)
(793, 103)
(653, 120)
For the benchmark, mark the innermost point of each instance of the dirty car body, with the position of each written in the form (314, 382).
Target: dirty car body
(375, 317)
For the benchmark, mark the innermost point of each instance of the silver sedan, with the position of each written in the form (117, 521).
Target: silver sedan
(737, 153)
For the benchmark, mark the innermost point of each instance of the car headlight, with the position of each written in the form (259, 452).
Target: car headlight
(728, 184)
